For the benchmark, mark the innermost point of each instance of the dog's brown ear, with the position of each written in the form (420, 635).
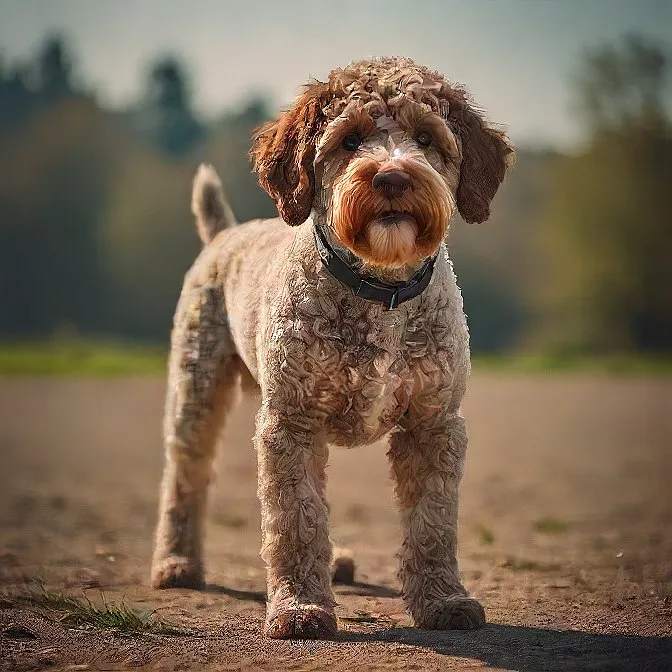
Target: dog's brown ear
(486, 155)
(283, 152)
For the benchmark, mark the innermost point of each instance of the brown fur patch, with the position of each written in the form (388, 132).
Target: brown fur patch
(486, 155)
(283, 152)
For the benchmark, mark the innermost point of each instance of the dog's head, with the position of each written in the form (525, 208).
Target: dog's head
(383, 151)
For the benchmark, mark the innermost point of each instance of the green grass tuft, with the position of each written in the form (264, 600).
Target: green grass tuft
(551, 525)
(485, 534)
(82, 613)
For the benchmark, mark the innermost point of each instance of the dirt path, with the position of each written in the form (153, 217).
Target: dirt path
(565, 534)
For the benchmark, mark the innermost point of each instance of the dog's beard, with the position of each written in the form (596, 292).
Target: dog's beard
(390, 232)
(392, 244)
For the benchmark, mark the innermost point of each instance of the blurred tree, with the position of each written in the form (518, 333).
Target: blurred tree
(95, 228)
(494, 311)
(607, 233)
(54, 69)
(497, 262)
(622, 85)
(53, 177)
(227, 149)
(148, 242)
(30, 87)
(16, 101)
(166, 115)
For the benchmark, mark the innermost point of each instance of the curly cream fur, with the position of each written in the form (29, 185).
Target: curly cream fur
(332, 369)
(209, 206)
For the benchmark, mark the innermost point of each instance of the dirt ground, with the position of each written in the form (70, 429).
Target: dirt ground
(565, 534)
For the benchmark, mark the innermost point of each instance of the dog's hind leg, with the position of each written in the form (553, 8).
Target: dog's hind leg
(203, 373)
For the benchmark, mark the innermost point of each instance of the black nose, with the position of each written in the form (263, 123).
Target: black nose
(392, 182)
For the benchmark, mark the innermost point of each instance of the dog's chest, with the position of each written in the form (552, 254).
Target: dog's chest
(365, 371)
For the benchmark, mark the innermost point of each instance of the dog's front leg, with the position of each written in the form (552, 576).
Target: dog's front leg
(427, 460)
(295, 527)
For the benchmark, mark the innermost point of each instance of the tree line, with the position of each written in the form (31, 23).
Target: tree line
(96, 233)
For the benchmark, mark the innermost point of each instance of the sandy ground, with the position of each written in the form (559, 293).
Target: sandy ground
(565, 534)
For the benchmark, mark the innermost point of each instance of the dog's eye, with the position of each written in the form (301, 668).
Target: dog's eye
(424, 139)
(351, 142)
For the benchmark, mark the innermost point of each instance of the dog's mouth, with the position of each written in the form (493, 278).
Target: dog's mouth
(394, 218)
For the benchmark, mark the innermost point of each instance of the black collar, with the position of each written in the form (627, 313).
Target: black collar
(366, 288)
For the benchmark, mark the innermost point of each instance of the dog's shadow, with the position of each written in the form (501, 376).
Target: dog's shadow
(356, 588)
(258, 596)
(365, 590)
(508, 647)
(525, 649)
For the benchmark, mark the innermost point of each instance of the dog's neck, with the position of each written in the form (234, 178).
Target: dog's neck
(390, 295)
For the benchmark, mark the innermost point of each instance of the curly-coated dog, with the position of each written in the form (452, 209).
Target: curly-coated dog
(351, 323)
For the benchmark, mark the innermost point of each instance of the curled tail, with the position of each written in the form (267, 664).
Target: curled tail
(208, 204)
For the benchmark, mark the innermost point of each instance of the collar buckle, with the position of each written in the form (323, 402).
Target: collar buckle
(394, 300)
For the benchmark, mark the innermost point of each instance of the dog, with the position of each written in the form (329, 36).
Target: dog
(345, 314)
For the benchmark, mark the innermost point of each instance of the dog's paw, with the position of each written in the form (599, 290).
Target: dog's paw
(177, 572)
(343, 567)
(452, 613)
(304, 621)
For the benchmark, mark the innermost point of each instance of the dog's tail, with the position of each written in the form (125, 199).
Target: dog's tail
(209, 205)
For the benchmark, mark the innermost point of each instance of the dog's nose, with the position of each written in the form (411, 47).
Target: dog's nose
(392, 182)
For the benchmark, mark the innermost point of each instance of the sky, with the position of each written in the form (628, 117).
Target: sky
(516, 57)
